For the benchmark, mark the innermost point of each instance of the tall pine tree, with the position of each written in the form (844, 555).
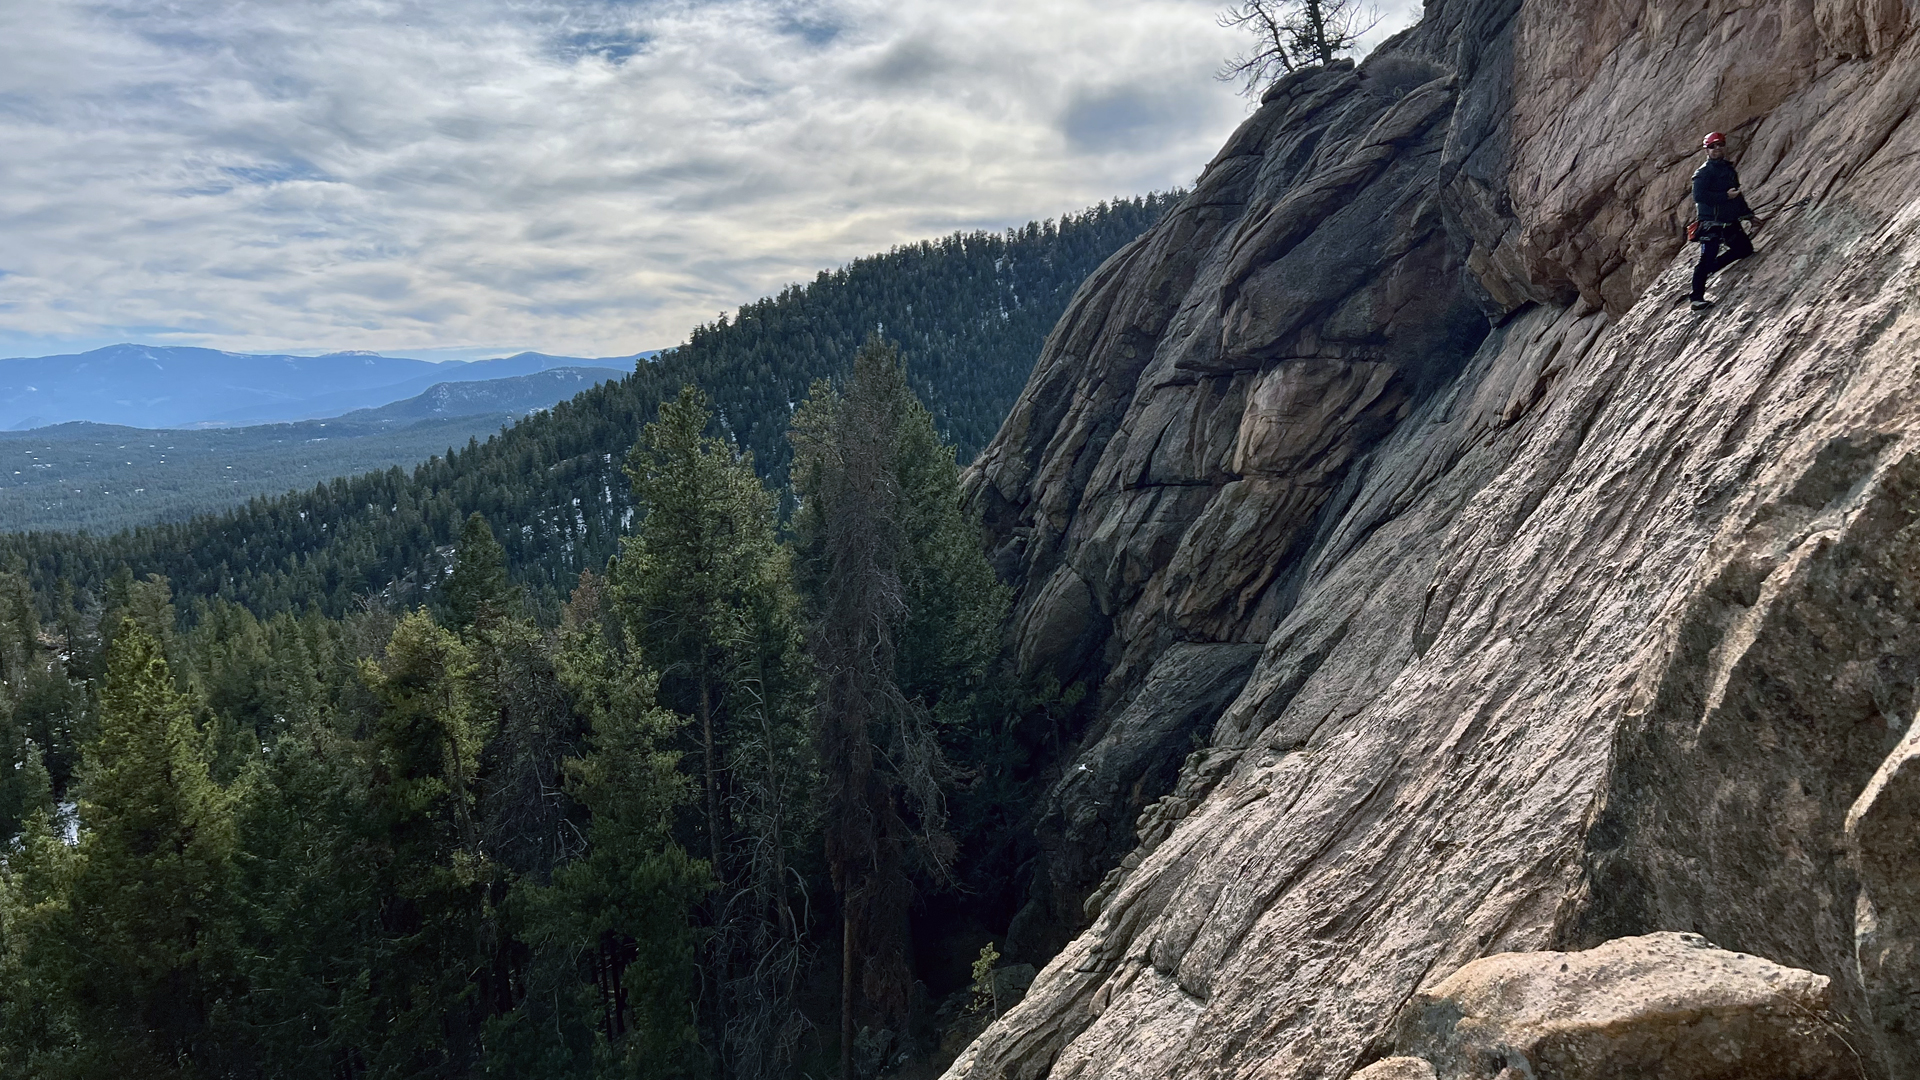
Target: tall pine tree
(704, 588)
(139, 952)
(478, 584)
(611, 980)
(434, 876)
(903, 616)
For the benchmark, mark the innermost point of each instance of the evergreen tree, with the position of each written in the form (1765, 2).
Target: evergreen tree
(903, 615)
(317, 922)
(704, 589)
(130, 940)
(513, 682)
(527, 823)
(144, 603)
(40, 1030)
(53, 712)
(433, 876)
(612, 978)
(19, 628)
(479, 579)
(25, 786)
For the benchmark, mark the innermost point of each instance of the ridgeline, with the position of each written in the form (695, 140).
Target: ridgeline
(969, 312)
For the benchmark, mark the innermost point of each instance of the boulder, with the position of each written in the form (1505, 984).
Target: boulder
(1396, 1068)
(1663, 1006)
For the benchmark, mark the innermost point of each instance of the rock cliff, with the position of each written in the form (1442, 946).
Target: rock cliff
(1504, 603)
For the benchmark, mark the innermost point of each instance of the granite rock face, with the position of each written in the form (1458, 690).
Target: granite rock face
(1578, 615)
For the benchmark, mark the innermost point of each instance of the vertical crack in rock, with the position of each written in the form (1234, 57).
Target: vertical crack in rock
(1881, 830)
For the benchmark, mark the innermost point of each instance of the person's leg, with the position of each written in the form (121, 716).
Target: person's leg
(1709, 262)
(1739, 245)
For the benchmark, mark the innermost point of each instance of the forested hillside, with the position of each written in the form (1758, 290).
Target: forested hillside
(694, 830)
(715, 789)
(969, 313)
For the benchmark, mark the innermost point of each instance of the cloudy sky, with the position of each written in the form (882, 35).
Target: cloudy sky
(448, 178)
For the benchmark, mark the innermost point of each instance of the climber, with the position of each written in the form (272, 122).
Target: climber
(1721, 206)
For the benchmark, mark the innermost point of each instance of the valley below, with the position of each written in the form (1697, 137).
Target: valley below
(103, 478)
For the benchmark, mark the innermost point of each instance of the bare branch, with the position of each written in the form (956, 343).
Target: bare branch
(1290, 35)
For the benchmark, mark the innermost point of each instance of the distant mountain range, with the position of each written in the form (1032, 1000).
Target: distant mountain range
(163, 386)
(84, 475)
(514, 396)
(969, 311)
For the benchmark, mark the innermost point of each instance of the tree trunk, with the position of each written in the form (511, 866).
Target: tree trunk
(846, 983)
(713, 783)
(778, 813)
(1317, 22)
(721, 948)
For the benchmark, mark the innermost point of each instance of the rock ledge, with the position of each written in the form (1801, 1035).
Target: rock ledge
(1660, 1007)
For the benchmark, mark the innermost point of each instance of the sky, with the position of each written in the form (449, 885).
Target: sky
(457, 178)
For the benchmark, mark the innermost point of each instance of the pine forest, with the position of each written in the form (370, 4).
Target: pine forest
(668, 733)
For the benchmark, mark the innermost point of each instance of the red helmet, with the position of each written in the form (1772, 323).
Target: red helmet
(1712, 140)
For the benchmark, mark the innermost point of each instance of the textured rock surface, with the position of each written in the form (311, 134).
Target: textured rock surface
(1883, 829)
(1396, 1068)
(1098, 809)
(1659, 1007)
(1579, 615)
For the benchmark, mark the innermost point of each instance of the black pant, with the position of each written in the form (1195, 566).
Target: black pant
(1713, 238)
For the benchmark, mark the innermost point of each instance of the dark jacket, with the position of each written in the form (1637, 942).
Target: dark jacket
(1711, 182)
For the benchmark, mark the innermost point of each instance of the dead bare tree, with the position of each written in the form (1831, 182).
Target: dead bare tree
(1291, 35)
(762, 910)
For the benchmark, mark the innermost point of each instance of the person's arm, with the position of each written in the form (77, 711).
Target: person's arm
(1703, 194)
(1738, 201)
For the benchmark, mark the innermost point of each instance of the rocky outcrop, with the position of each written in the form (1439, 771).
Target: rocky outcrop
(1659, 1007)
(1578, 615)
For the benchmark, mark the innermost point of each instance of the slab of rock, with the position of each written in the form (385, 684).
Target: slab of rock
(1396, 1068)
(1660, 1007)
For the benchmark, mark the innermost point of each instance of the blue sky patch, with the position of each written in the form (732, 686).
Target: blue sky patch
(613, 46)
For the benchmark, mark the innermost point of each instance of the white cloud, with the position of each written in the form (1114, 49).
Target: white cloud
(582, 177)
